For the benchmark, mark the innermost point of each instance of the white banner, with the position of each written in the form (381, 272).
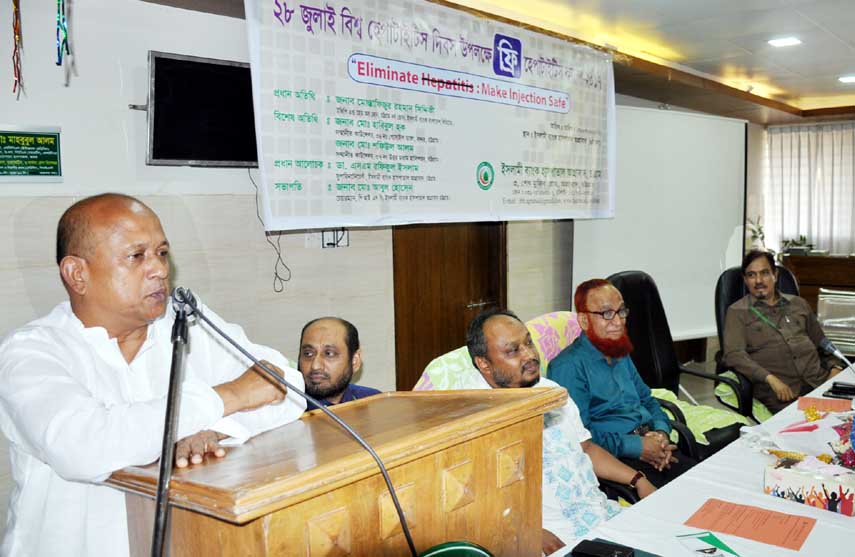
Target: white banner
(411, 112)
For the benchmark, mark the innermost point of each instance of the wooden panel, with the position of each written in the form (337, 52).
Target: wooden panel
(390, 524)
(458, 485)
(510, 465)
(191, 533)
(822, 271)
(329, 535)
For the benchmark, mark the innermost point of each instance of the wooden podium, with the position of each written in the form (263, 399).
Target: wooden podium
(466, 466)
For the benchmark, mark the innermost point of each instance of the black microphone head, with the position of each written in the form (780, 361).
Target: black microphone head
(182, 298)
(827, 346)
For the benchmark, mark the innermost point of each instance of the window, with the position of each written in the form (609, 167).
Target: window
(808, 186)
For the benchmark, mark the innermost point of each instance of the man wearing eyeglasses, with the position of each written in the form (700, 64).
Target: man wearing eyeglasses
(773, 338)
(614, 403)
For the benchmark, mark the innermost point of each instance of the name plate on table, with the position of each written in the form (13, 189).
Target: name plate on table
(833, 493)
(825, 404)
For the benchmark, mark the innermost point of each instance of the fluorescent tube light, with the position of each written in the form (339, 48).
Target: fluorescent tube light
(785, 41)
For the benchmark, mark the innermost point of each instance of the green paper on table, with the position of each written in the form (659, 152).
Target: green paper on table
(706, 543)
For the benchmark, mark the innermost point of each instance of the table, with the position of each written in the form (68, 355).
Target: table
(734, 474)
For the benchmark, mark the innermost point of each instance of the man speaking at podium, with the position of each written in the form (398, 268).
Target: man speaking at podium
(83, 389)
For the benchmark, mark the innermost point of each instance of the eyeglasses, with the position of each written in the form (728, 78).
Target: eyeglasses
(609, 314)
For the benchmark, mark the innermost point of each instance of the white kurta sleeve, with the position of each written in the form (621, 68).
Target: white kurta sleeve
(566, 417)
(54, 417)
(223, 363)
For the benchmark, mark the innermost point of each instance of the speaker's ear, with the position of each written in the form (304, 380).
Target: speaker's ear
(74, 271)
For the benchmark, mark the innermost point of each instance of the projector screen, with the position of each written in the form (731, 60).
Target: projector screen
(679, 194)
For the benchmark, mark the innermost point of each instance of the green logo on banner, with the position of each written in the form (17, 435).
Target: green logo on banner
(485, 175)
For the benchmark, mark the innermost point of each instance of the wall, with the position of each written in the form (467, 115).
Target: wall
(754, 200)
(219, 249)
(540, 260)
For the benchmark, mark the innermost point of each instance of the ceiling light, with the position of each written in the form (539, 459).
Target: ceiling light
(846, 79)
(785, 41)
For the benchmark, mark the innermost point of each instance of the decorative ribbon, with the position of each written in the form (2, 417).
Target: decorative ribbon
(61, 31)
(64, 49)
(18, 77)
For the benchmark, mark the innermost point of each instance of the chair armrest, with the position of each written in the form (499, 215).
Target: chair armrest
(744, 392)
(698, 373)
(742, 389)
(686, 442)
(610, 487)
(673, 408)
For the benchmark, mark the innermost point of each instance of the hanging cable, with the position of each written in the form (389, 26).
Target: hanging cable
(279, 279)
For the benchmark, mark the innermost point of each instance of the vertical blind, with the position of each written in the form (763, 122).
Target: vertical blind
(809, 183)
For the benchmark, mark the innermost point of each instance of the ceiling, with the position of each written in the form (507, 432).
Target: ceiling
(727, 40)
(682, 51)
(709, 55)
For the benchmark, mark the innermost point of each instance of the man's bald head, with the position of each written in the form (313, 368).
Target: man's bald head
(114, 263)
(74, 231)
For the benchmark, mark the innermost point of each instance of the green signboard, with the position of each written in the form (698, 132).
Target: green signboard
(30, 153)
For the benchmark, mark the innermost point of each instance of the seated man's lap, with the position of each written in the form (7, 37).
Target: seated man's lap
(660, 478)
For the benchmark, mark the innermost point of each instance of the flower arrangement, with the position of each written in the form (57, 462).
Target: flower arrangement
(844, 454)
(755, 229)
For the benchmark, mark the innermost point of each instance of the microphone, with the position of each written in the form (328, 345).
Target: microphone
(182, 298)
(828, 347)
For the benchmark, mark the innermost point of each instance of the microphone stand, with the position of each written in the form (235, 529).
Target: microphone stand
(840, 355)
(167, 452)
(829, 348)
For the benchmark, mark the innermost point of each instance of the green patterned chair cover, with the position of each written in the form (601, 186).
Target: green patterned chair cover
(451, 371)
(727, 396)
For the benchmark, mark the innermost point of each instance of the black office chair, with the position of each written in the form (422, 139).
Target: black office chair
(654, 354)
(729, 289)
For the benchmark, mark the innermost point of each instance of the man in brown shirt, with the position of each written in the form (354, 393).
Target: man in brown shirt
(773, 338)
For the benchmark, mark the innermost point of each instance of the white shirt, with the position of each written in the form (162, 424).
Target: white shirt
(572, 501)
(75, 411)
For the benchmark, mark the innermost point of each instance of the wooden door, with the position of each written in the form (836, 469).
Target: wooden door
(445, 274)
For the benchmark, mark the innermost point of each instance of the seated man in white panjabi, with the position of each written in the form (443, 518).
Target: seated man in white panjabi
(504, 356)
